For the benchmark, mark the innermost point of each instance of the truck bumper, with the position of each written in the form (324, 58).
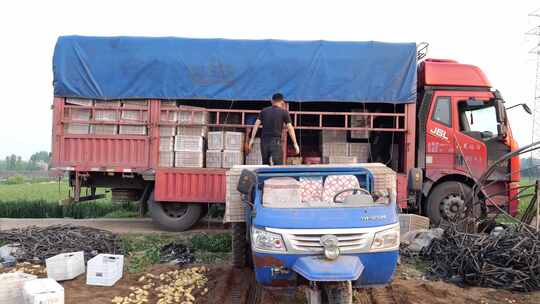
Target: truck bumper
(364, 269)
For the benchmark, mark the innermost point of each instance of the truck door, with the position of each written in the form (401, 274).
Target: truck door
(478, 141)
(440, 147)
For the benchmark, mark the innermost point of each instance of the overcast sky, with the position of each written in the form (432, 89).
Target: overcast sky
(485, 33)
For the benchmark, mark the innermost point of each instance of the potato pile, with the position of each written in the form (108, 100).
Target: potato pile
(35, 269)
(177, 286)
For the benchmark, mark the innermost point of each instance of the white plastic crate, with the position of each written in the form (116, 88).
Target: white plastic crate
(168, 104)
(340, 160)
(167, 131)
(80, 101)
(134, 115)
(189, 159)
(360, 121)
(360, 151)
(234, 141)
(76, 128)
(232, 158)
(192, 115)
(166, 159)
(135, 102)
(43, 291)
(78, 114)
(166, 144)
(333, 136)
(105, 269)
(335, 149)
(214, 158)
(108, 103)
(105, 115)
(192, 131)
(11, 285)
(132, 130)
(104, 129)
(65, 266)
(216, 140)
(188, 143)
(169, 116)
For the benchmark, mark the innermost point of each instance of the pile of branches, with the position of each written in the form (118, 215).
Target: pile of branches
(36, 244)
(176, 253)
(508, 260)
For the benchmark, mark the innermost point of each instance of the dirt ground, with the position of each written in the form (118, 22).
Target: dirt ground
(226, 285)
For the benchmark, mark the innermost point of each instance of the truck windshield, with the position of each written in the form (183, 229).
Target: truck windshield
(476, 120)
(316, 192)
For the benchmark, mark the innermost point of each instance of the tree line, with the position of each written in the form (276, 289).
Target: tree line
(16, 163)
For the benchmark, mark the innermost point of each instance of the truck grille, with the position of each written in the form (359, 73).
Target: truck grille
(347, 242)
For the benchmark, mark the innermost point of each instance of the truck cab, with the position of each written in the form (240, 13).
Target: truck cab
(462, 129)
(326, 227)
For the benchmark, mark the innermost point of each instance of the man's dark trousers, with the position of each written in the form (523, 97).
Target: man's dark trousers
(271, 148)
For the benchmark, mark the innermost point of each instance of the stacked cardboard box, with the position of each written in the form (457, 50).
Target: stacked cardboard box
(189, 151)
(168, 131)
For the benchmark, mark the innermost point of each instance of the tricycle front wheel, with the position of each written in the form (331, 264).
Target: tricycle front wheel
(336, 292)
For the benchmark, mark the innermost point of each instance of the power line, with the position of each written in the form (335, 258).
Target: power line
(535, 31)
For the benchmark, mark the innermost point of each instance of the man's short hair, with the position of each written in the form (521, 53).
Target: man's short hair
(277, 97)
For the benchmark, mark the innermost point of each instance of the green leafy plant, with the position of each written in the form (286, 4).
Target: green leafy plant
(212, 242)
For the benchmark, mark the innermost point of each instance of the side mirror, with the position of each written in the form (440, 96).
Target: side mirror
(526, 108)
(246, 182)
(501, 114)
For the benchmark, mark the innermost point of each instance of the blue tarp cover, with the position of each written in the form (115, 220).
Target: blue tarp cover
(223, 69)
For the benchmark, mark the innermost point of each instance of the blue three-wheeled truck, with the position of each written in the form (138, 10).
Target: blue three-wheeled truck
(322, 227)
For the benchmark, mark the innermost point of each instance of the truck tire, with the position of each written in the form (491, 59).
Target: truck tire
(337, 292)
(172, 216)
(446, 201)
(239, 245)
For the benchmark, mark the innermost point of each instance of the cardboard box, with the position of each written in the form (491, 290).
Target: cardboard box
(104, 129)
(167, 131)
(192, 131)
(294, 160)
(340, 160)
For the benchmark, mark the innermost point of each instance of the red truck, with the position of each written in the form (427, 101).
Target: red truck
(438, 123)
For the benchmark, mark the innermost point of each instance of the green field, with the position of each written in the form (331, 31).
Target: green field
(46, 191)
(42, 200)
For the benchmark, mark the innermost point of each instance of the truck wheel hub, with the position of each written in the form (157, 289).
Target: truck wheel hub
(174, 209)
(452, 205)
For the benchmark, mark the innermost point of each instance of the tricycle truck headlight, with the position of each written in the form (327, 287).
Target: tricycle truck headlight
(386, 239)
(267, 241)
(331, 253)
(330, 244)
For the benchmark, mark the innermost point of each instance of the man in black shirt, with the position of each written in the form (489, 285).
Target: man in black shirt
(273, 118)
